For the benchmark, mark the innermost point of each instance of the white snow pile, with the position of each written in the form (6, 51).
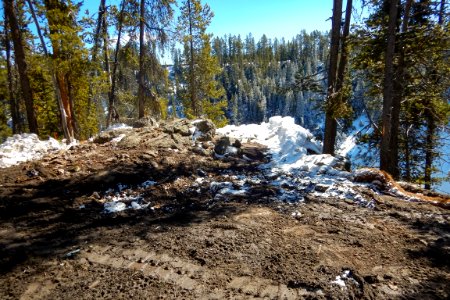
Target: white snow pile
(293, 169)
(288, 142)
(25, 147)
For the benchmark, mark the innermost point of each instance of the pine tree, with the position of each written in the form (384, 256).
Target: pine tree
(204, 93)
(22, 64)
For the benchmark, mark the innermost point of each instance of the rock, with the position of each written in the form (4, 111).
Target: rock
(131, 141)
(237, 144)
(342, 163)
(205, 130)
(182, 127)
(222, 144)
(321, 188)
(145, 122)
(107, 136)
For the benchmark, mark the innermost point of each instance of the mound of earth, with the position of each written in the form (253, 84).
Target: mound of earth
(156, 213)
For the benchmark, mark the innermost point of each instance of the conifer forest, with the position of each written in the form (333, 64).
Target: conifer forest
(69, 73)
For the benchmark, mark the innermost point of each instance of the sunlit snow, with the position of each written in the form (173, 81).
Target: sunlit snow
(25, 147)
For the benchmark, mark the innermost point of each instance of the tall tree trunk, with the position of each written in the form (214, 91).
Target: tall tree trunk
(441, 12)
(399, 85)
(141, 79)
(407, 156)
(61, 81)
(429, 147)
(344, 51)
(330, 120)
(106, 58)
(98, 29)
(193, 92)
(386, 160)
(8, 6)
(431, 122)
(101, 12)
(112, 112)
(63, 118)
(74, 121)
(14, 108)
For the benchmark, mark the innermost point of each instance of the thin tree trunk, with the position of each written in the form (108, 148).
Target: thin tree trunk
(399, 85)
(101, 15)
(63, 118)
(386, 159)
(344, 51)
(441, 12)
(330, 120)
(141, 90)
(16, 126)
(60, 77)
(431, 122)
(407, 157)
(429, 147)
(101, 12)
(8, 6)
(106, 57)
(111, 110)
(193, 92)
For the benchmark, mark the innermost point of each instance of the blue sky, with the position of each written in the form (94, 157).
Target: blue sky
(275, 18)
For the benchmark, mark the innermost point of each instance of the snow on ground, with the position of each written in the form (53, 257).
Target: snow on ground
(360, 154)
(288, 142)
(293, 167)
(25, 147)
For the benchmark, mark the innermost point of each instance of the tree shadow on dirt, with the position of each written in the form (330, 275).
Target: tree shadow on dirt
(437, 252)
(41, 220)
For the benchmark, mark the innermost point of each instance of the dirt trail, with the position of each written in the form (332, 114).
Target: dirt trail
(57, 243)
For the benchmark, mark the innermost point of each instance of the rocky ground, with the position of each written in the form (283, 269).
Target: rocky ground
(191, 239)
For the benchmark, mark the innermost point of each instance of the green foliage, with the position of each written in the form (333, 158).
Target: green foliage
(203, 94)
(421, 79)
(5, 131)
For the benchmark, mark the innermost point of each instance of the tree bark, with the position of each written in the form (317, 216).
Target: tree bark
(330, 120)
(21, 62)
(60, 76)
(193, 93)
(141, 79)
(387, 163)
(63, 118)
(14, 108)
(399, 85)
(112, 112)
(431, 122)
(98, 28)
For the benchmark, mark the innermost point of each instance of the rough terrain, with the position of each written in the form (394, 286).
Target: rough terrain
(56, 241)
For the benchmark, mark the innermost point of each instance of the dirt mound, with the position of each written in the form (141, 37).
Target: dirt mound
(201, 225)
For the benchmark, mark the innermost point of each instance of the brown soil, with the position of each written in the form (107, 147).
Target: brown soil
(56, 242)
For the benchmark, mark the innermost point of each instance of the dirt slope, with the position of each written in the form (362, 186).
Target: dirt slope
(57, 243)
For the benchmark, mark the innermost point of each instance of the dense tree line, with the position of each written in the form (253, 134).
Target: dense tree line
(69, 75)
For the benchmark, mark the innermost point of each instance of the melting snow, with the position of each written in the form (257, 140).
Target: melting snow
(25, 147)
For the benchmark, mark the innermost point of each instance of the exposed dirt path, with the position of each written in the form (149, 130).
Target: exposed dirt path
(56, 243)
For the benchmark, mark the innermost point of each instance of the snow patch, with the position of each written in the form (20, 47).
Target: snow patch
(26, 147)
